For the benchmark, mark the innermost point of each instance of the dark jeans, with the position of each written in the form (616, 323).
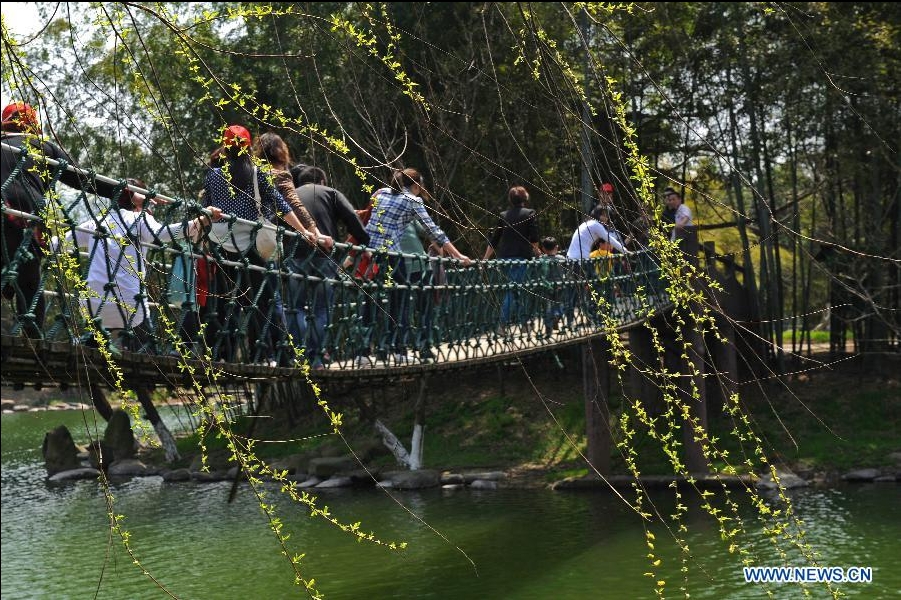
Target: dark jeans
(511, 309)
(409, 306)
(575, 277)
(552, 314)
(372, 314)
(25, 286)
(243, 309)
(310, 304)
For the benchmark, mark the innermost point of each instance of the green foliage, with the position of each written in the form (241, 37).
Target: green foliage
(779, 119)
(838, 422)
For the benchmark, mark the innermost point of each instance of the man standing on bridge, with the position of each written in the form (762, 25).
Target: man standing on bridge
(584, 237)
(328, 207)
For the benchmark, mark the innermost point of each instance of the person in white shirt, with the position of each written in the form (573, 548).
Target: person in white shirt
(682, 214)
(584, 237)
(587, 234)
(116, 273)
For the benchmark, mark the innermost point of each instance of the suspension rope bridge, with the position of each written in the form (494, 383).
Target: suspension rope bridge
(156, 297)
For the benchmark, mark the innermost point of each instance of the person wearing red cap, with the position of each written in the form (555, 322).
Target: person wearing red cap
(230, 187)
(23, 239)
(605, 195)
(236, 135)
(23, 116)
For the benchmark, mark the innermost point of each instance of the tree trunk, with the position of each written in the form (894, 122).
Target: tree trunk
(393, 444)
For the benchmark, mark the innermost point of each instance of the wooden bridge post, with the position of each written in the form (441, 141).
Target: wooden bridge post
(723, 358)
(596, 383)
(676, 362)
(642, 387)
(725, 362)
(694, 454)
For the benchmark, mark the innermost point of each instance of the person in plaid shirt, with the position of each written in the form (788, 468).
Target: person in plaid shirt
(393, 208)
(396, 207)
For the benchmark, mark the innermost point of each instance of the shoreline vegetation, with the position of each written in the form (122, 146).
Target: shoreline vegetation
(523, 426)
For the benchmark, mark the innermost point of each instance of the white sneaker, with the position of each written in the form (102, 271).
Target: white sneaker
(364, 362)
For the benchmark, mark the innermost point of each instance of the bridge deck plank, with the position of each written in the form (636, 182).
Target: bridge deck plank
(50, 363)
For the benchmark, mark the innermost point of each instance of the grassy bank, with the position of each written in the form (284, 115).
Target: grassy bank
(531, 418)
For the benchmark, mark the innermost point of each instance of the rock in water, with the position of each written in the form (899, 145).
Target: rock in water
(119, 438)
(60, 453)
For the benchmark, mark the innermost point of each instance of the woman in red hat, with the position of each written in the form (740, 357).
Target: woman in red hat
(23, 238)
(231, 187)
(605, 195)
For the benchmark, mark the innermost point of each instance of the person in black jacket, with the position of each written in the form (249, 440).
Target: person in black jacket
(23, 237)
(329, 208)
(514, 237)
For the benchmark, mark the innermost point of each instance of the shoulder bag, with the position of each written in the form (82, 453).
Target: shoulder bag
(266, 236)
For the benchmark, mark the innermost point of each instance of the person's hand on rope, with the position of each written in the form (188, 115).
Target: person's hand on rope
(208, 215)
(215, 213)
(448, 249)
(326, 242)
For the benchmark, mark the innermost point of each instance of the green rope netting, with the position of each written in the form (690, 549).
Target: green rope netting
(146, 273)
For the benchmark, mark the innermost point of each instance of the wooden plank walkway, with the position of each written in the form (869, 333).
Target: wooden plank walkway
(45, 364)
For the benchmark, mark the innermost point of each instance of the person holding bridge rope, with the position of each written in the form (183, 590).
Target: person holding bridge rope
(310, 302)
(28, 192)
(515, 238)
(584, 238)
(273, 152)
(117, 243)
(244, 298)
(394, 208)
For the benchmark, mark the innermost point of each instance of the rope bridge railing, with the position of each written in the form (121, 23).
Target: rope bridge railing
(157, 284)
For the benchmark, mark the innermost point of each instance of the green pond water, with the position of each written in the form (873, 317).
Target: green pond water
(501, 544)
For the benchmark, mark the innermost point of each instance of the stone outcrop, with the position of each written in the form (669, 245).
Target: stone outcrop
(177, 475)
(484, 476)
(338, 481)
(293, 464)
(787, 479)
(119, 438)
(413, 480)
(483, 484)
(99, 455)
(861, 475)
(75, 474)
(60, 453)
(327, 466)
(128, 467)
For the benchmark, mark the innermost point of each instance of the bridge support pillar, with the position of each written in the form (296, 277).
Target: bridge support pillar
(694, 455)
(724, 358)
(596, 383)
(642, 386)
(691, 370)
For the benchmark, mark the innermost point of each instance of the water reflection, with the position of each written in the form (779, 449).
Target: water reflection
(535, 544)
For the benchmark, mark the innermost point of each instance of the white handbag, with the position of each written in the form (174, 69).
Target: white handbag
(267, 236)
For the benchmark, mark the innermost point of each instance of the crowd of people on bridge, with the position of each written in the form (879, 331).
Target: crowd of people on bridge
(251, 310)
